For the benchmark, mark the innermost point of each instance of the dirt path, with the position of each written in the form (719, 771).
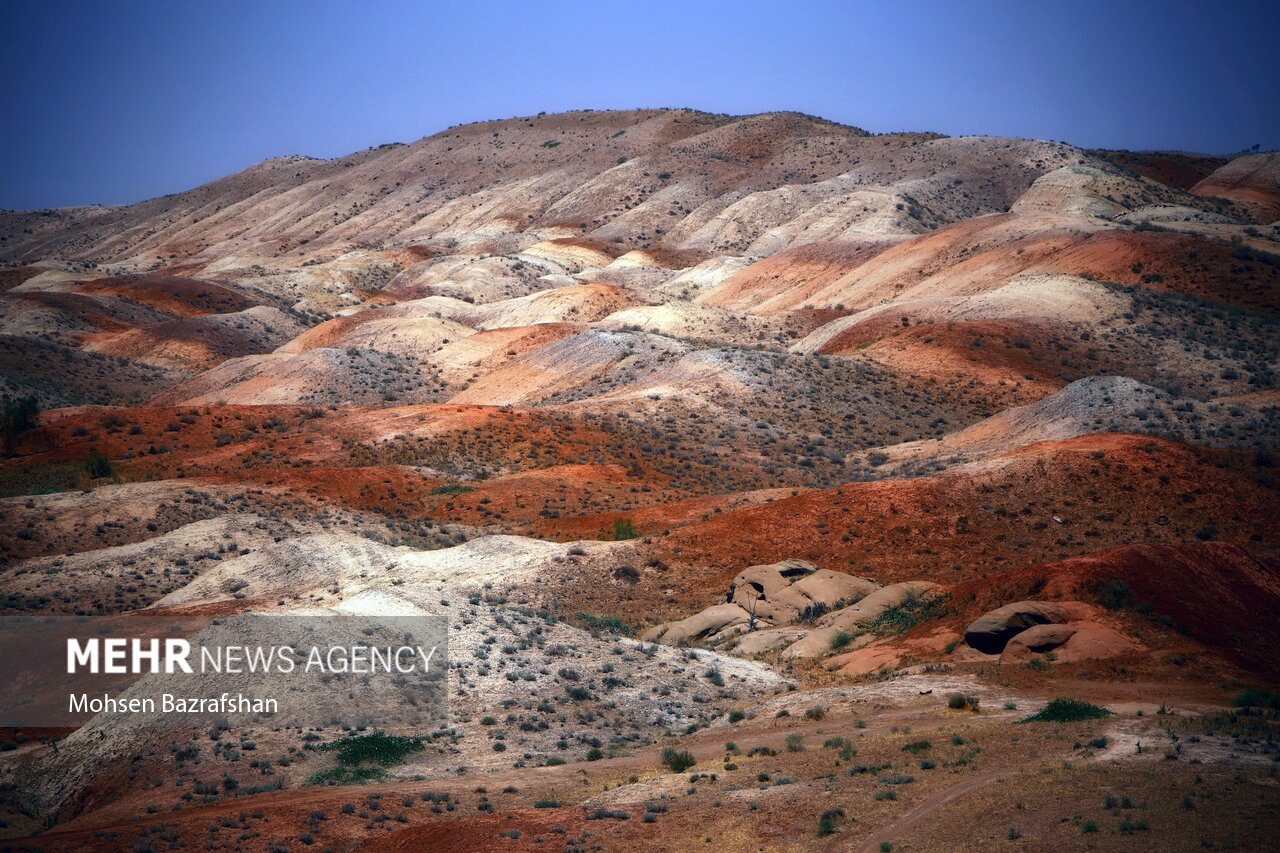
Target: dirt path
(913, 817)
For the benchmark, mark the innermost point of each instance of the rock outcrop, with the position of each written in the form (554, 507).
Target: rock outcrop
(992, 631)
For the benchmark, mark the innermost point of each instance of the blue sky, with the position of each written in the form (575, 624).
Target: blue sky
(111, 102)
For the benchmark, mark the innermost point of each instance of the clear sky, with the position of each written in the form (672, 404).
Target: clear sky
(119, 100)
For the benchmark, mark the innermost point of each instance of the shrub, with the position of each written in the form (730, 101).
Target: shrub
(903, 617)
(961, 702)
(1257, 697)
(608, 814)
(16, 417)
(623, 529)
(98, 466)
(677, 761)
(841, 639)
(827, 823)
(595, 754)
(1111, 593)
(1067, 711)
(607, 624)
(452, 489)
(376, 748)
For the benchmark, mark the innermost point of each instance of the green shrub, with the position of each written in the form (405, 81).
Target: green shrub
(1111, 593)
(1067, 711)
(677, 761)
(903, 617)
(827, 823)
(451, 489)
(98, 467)
(16, 417)
(607, 624)
(623, 529)
(1253, 696)
(377, 748)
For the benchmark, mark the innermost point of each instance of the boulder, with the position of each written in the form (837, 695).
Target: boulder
(991, 631)
(1094, 641)
(779, 593)
(768, 640)
(1036, 640)
(864, 661)
(712, 621)
(768, 597)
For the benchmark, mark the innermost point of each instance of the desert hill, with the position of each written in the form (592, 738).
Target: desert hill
(702, 431)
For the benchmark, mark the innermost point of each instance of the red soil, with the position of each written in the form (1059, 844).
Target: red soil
(14, 276)
(798, 272)
(1023, 355)
(1108, 490)
(1219, 594)
(178, 295)
(1175, 168)
(1253, 178)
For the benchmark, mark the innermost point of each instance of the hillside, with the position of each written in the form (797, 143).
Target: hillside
(680, 421)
